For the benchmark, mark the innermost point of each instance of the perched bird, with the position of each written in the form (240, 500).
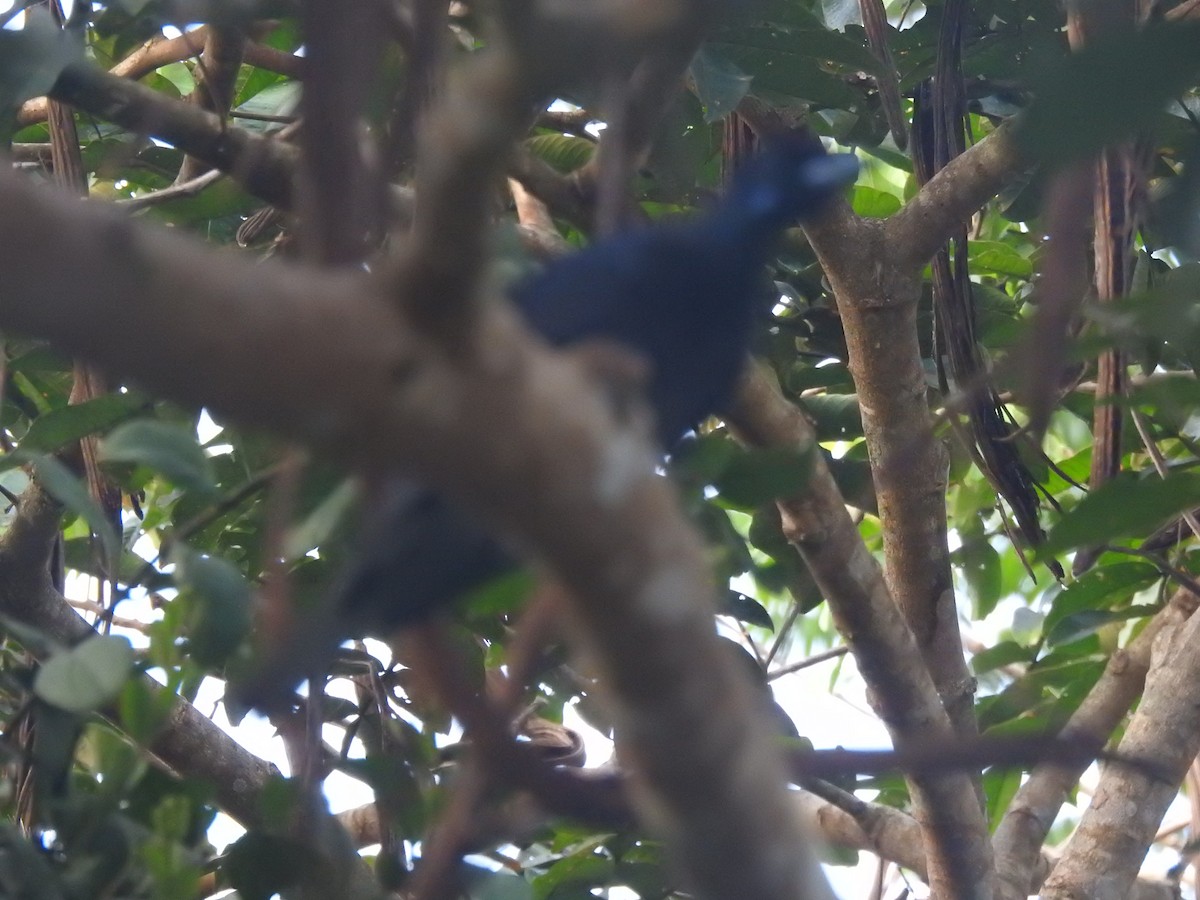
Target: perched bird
(683, 294)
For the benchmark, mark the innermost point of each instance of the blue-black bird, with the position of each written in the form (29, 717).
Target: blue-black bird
(683, 294)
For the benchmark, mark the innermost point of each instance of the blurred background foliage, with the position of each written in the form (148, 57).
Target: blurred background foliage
(198, 535)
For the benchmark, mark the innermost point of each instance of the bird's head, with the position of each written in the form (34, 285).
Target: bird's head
(791, 179)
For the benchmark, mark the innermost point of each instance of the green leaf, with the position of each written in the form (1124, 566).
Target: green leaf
(86, 677)
(1123, 507)
(794, 30)
(70, 423)
(261, 865)
(180, 76)
(856, 482)
(1000, 786)
(1087, 622)
(168, 449)
(565, 152)
(1109, 90)
(702, 459)
(836, 417)
(787, 73)
(981, 565)
(502, 594)
(720, 84)
(277, 100)
(62, 484)
(997, 258)
(580, 870)
(1103, 587)
(759, 476)
(223, 597)
(872, 203)
(501, 886)
(1003, 654)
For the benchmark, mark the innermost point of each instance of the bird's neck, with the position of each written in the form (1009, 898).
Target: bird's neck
(749, 226)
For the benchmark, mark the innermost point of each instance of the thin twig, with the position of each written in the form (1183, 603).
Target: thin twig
(1160, 463)
(174, 192)
(805, 663)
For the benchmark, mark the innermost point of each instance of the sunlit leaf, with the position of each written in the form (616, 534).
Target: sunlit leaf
(166, 448)
(87, 676)
(1123, 507)
(720, 84)
(70, 423)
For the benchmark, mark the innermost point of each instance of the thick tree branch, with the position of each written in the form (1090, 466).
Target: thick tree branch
(901, 690)
(333, 365)
(224, 49)
(1107, 849)
(952, 196)
(878, 306)
(1019, 837)
(158, 53)
(264, 167)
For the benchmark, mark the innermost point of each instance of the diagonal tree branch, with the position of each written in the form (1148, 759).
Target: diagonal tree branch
(1104, 855)
(155, 54)
(900, 687)
(264, 167)
(333, 365)
(952, 196)
(1019, 836)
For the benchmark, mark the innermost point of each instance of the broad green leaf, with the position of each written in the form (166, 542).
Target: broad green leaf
(1003, 654)
(720, 84)
(1000, 786)
(143, 709)
(855, 481)
(786, 72)
(70, 423)
(500, 595)
(1109, 90)
(1089, 621)
(87, 676)
(565, 152)
(223, 599)
(169, 449)
(702, 459)
(261, 865)
(277, 100)
(873, 203)
(580, 870)
(981, 566)
(502, 886)
(759, 476)
(1103, 587)
(997, 258)
(180, 76)
(1124, 507)
(798, 32)
(836, 417)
